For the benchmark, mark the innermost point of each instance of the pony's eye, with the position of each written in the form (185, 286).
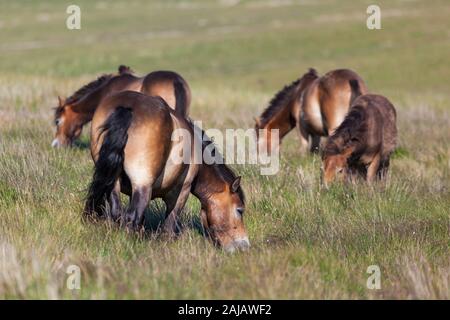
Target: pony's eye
(57, 122)
(240, 211)
(339, 170)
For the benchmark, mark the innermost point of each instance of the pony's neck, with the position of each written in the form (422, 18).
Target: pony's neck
(206, 183)
(88, 104)
(284, 121)
(338, 146)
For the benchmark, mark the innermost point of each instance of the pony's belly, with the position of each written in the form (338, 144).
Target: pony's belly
(317, 127)
(172, 176)
(336, 119)
(179, 167)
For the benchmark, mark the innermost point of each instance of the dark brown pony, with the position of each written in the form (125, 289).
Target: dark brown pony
(315, 104)
(363, 143)
(135, 144)
(77, 110)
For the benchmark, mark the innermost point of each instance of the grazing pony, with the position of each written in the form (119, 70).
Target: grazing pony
(135, 144)
(77, 110)
(315, 104)
(363, 143)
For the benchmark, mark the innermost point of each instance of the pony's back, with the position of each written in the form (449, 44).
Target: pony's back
(388, 116)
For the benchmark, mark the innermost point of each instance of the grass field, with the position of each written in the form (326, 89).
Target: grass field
(306, 242)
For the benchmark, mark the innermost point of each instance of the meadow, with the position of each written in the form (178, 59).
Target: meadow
(307, 242)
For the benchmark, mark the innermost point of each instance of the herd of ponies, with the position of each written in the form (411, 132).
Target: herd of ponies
(133, 118)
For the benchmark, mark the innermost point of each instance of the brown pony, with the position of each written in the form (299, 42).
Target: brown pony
(135, 144)
(77, 110)
(363, 143)
(316, 105)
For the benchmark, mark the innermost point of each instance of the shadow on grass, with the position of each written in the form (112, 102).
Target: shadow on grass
(81, 144)
(154, 219)
(156, 214)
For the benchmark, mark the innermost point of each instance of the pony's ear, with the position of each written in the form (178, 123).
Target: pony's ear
(61, 101)
(236, 184)
(256, 121)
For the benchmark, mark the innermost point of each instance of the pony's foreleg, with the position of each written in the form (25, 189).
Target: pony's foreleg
(372, 169)
(175, 202)
(383, 170)
(134, 217)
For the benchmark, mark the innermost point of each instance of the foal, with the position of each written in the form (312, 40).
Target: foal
(135, 143)
(77, 110)
(363, 143)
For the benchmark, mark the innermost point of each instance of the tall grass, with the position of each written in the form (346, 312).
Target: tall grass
(306, 242)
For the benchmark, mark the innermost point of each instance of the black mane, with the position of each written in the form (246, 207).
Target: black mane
(80, 93)
(348, 133)
(282, 98)
(225, 172)
(58, 111)
(88, 88)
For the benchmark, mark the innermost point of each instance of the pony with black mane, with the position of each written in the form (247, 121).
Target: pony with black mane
(135, 144)
(73, 113)
(315, 104)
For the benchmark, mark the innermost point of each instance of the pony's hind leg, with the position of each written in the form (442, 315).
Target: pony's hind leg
(315, 143)
(115, 205)
(304, 139)
(134, 216)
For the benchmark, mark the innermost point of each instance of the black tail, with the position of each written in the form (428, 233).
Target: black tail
(356, 90)
(109, 165)
(180, 97)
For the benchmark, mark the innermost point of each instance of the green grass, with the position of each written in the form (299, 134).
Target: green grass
(306, 242)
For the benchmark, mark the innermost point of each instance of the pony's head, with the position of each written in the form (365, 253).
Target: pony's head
(267, 139)
(69, 124)
(222, 200)
(72, 113)
(223, 217)
(335, 167)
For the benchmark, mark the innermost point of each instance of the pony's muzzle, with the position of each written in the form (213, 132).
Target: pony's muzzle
(241, 244)
(55, 143)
